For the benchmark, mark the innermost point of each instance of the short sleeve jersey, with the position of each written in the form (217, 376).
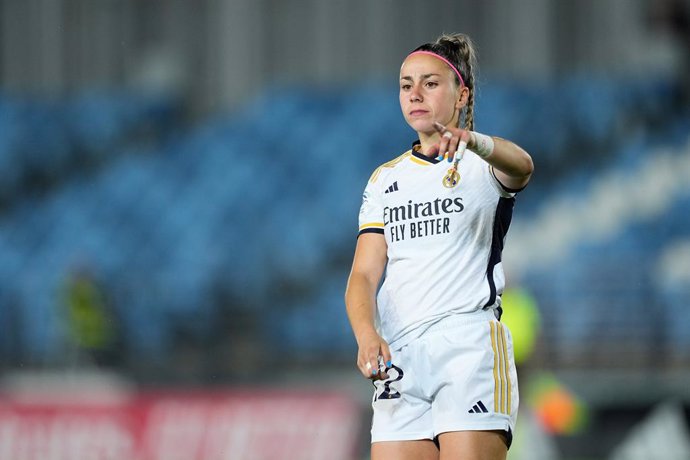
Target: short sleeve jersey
(444, 244)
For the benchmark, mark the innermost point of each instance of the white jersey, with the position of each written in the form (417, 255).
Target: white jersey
(444, 244)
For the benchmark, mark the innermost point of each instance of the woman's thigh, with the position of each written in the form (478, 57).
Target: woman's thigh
(473, 445)
(424, 449)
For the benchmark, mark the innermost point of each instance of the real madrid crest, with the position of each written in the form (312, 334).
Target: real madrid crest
(451, 178)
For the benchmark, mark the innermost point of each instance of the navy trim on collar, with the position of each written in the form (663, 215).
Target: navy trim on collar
(422, 157)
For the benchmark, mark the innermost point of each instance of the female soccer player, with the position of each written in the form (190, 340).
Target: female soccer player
(435, 219)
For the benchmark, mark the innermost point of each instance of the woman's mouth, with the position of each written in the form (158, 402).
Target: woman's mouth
(418, 113)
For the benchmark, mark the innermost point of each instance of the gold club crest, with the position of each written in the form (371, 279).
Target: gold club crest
(451, 178)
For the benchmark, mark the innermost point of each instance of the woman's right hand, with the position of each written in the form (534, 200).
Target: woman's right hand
(371, 347)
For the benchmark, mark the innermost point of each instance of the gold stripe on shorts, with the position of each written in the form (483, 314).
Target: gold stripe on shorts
(497, 384)
(506, 368)
(502, 365)
(502, 384)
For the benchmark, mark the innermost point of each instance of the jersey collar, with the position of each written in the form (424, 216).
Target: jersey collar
(416, 145)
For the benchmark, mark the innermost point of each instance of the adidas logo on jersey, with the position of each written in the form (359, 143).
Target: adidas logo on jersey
(478, 408)
(392, 188)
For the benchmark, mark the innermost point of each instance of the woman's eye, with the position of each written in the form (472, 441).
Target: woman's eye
(405, 87)
(431, 84)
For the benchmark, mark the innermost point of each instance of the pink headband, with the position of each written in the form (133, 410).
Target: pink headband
(431, 53)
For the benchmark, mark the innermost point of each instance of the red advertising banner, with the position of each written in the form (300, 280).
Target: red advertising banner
(232, 425)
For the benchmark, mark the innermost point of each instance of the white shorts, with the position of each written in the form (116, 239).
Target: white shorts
(459, 375)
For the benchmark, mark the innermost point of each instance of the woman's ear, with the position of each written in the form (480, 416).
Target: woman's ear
(463, 96)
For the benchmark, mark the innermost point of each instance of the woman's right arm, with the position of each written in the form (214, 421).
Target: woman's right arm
(360, 302)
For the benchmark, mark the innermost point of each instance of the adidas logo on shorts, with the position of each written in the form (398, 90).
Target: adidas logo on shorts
(478, 408)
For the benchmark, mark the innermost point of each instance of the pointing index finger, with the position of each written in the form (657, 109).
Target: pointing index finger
(440, 128)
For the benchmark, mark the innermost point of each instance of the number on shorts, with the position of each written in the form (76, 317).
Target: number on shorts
(387, 392)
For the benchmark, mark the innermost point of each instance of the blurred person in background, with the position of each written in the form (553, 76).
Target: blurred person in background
(434, 219)
(92, 327)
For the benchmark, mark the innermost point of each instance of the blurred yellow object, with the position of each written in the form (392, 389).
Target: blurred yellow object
(521, 315)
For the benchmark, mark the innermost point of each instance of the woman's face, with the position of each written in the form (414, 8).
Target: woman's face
(429, 93)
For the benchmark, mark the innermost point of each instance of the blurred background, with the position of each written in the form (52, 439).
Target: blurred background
(179, 189)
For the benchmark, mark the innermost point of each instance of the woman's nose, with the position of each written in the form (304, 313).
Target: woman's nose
(415, 95)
